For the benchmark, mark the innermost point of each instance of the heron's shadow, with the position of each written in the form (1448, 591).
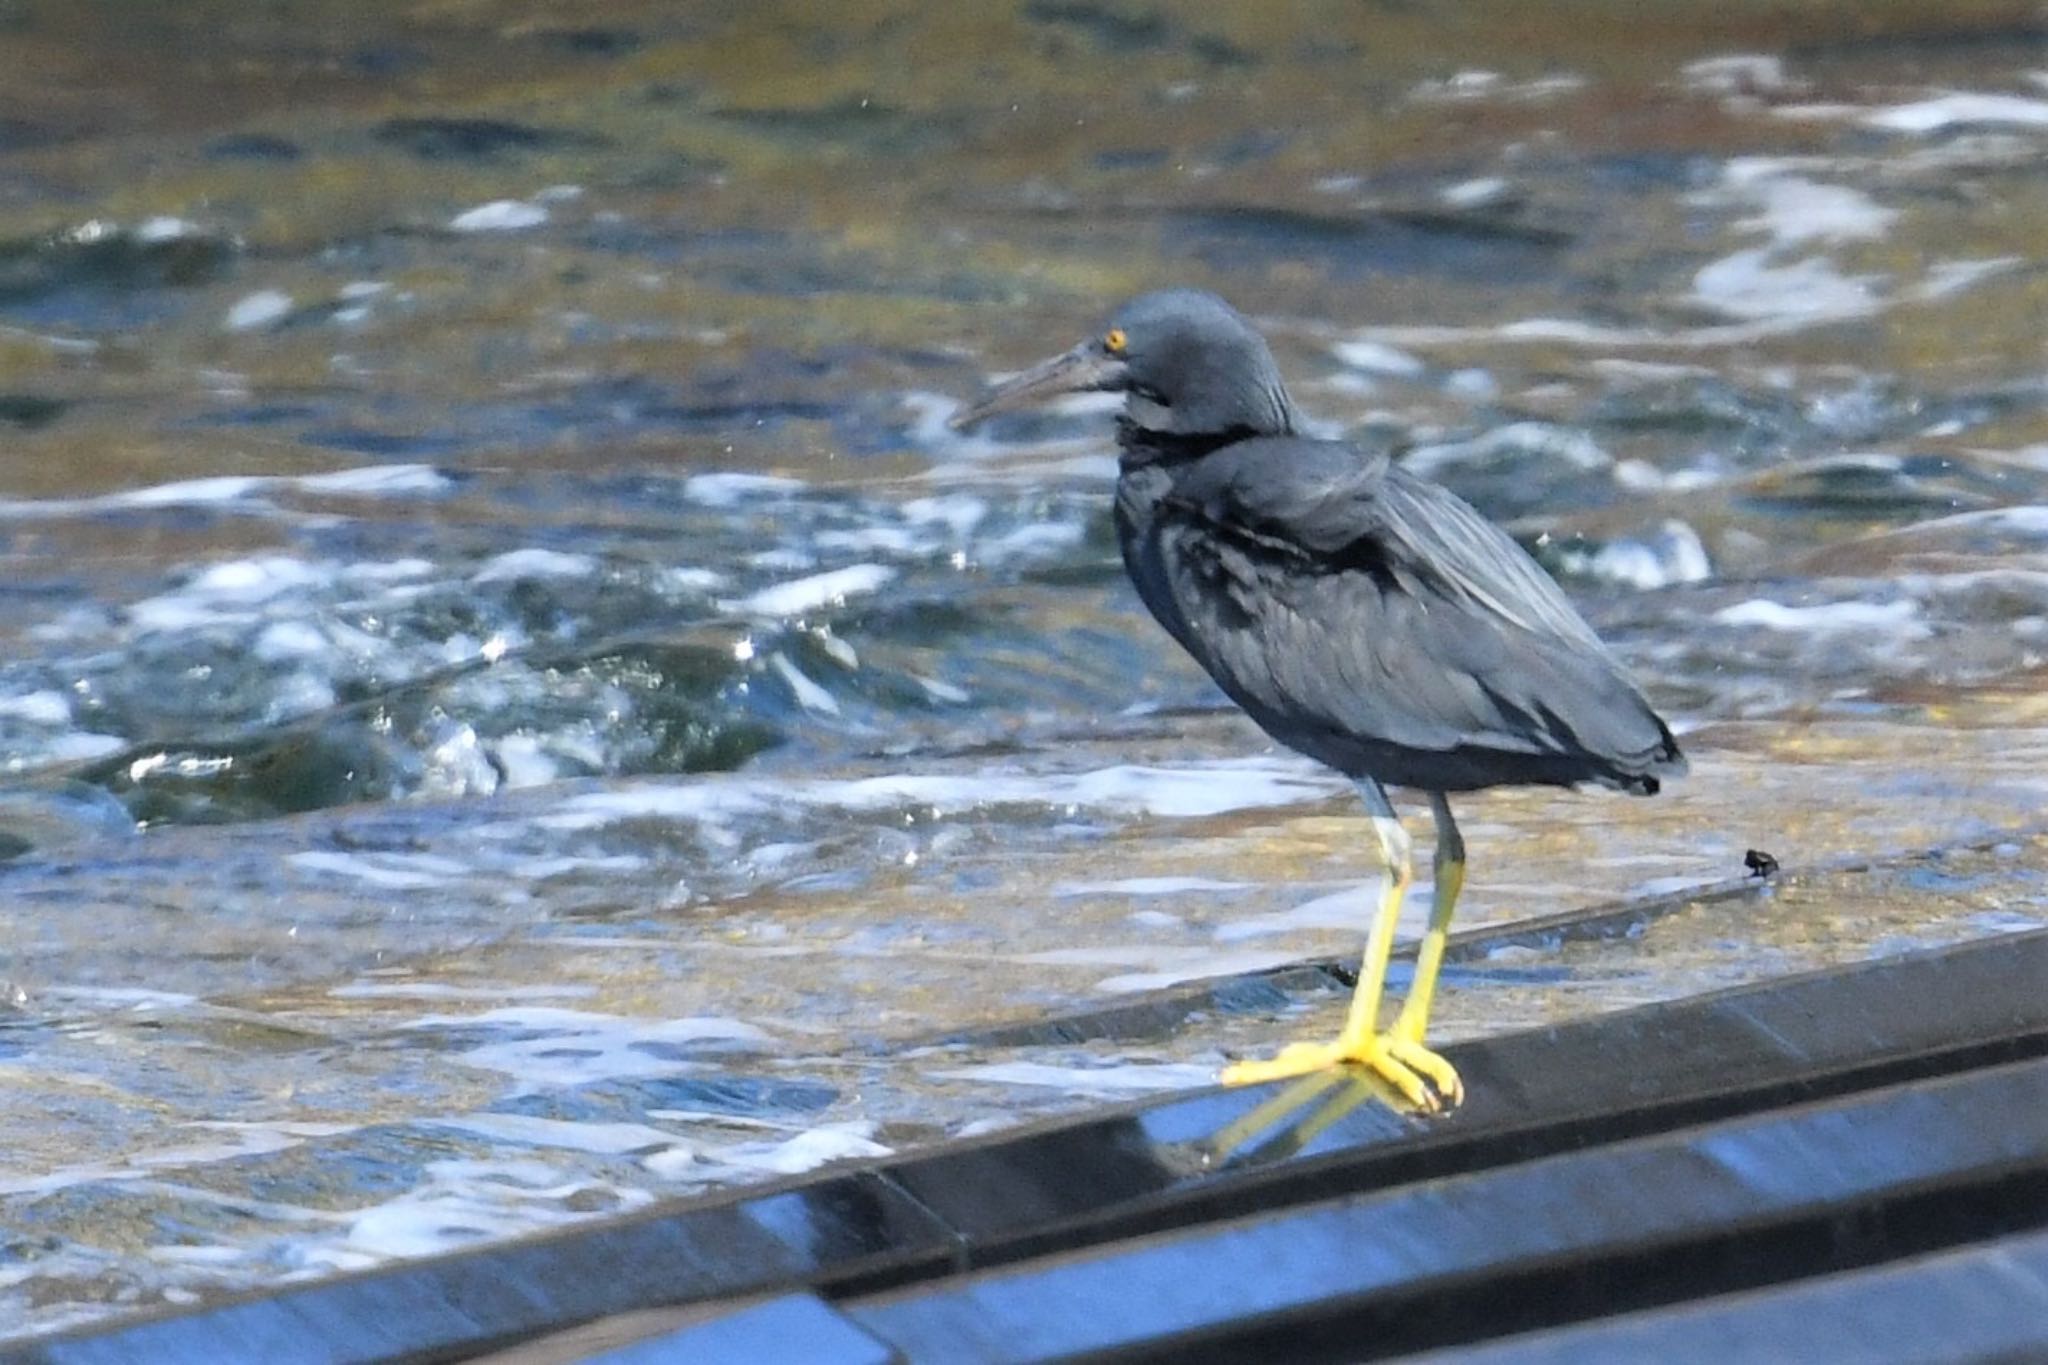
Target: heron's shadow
(1282, 1126)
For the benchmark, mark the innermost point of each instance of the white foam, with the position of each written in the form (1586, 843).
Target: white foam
(81, 746)
(1161, 965)
(242, 1138)
(1193, 789)
(938, 689)
(1147, 886)
(1749, 284)
(959, 513)
(2029, 519)
(525, 763)
(1129, 1078)
(463, 1202)
(1377, 357)
(1571, 332)
(283, 640)
(573, 1047)
(1478, 85)
(538, 869)
(391, 871)
(1648, 371)
(255, 580)
(1674, 555)
(783, 558)
(441, 990)
(598, 1139)
(184, 493)
(1196, 789)
(37, 708)
(277, 594)
(1640, 476)
(64, 1178)
(729, 489)
(165, 228)
(1820, 111)
(500, 215)
(1042, 539)
(1735, 73)
(704, 800)
(818, 590)
(534, 563)
(808, 694)
(224, 489)
(196, 1255)
(1471, 194)
(231, 591)
(1902, 617)
(376, 480)
(124, 997)
(1541, 439)
(1953, 277)
(690, 580)
(896, 540)
(1947, 111)
(1352, 908)
(1794, 209)
(852, 1139)
(260, 309)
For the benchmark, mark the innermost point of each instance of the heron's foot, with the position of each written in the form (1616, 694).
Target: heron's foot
(1419, 1076)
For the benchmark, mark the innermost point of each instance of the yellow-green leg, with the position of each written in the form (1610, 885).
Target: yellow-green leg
(1424, 1079)
(1413, 1021)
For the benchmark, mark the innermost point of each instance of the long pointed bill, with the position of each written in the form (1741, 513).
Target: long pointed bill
(1085, 368)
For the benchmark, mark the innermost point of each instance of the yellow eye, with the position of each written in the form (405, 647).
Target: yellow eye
(1115, 341)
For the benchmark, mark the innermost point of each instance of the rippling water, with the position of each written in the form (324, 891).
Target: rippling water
(512, 703)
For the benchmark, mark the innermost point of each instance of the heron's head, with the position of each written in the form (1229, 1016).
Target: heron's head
(1186, 362)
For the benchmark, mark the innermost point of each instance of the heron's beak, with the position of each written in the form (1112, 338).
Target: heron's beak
(1086, 368)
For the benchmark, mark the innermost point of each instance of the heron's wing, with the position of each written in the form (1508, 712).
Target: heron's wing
(1333, 594)
(1330, 502)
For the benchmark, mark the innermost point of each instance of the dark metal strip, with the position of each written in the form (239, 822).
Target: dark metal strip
(1435, 1263)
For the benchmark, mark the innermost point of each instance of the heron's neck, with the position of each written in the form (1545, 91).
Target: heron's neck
(1143, 446)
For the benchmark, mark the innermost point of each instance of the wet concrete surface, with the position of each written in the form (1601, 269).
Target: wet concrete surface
(512, 705)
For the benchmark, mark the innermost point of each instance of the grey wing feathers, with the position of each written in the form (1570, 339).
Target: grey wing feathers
(1355, 610)
(1477, 559)
(1334, 497)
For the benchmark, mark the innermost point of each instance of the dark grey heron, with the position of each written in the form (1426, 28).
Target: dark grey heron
(1357, 612)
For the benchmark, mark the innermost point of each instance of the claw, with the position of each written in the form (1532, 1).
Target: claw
(1443, 1077)
(1425, 1080)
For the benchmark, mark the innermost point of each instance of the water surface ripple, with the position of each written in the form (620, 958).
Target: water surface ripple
(513, 704)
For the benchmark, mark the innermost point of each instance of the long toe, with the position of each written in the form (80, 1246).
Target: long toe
(1425, 1087)
(1296, 1059)
(1440, 1073)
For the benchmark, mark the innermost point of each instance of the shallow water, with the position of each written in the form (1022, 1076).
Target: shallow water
(512, 703)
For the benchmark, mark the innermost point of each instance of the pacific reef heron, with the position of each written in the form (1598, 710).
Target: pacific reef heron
(1359, 613)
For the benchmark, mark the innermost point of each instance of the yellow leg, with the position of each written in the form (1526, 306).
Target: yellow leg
(1421, 1077)
(1413, 1022)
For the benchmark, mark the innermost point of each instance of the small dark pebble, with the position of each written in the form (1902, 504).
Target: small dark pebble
(28, 410)
(253, 147)
(473, 139)
(593, 42)
(389, 60)
(20, 134)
